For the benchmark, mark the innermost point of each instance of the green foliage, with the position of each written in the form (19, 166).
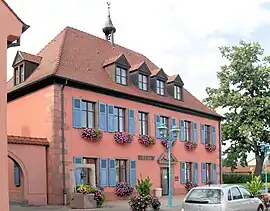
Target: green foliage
(254, 185)
(143, 187)
(244, 94)
(235, 178)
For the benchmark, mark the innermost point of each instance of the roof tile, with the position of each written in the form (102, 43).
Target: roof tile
(27, 140)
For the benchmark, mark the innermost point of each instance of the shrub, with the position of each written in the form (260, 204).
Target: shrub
(155, 203)
(254, 185)
(86, 189)
(143, 186)
(139, 203)
(234, 178)
(123, 189)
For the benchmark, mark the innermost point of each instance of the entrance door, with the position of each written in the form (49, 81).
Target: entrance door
(164, 180)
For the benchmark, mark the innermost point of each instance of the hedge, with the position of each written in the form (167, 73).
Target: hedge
(235, 178)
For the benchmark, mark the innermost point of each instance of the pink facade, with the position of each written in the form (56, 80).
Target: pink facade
(80, 81)
(11, 30)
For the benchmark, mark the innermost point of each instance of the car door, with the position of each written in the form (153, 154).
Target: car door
(250, 203)
(235, 200)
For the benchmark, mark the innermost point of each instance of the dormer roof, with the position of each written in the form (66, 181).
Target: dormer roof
(159, 73)
(142, 67)
(120, 59)
(175, 79)
(22, 56)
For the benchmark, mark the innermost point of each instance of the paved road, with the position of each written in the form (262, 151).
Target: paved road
(112, 206)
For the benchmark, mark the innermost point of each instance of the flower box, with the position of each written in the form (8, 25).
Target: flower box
(122, 138)
(189, 145)
(210, 147)
(147, 140)
(83, 201)
(190, 185)
(91, 134)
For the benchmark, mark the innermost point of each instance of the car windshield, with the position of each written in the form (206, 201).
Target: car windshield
(205, 196)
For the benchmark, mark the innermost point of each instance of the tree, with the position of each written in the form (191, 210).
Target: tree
(244, 95)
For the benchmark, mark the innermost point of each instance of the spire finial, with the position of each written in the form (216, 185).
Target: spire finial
(109, 29)
(109, 8)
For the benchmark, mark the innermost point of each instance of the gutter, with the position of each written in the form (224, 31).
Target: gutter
(220, 153)
(63, 142)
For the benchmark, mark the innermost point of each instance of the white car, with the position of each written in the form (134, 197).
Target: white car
(221, 198)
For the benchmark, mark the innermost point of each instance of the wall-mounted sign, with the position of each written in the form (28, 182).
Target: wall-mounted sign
(146, 157)
(176, 179)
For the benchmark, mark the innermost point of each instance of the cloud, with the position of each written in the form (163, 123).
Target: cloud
(179, 36)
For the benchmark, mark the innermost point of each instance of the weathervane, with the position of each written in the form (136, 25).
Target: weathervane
(109, 7)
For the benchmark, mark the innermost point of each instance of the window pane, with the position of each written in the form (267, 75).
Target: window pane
(140, 115)
(144, 128)
(90, 106)
(90, 119)
(158, 83)
(236, 194)
(140, 128)
(118, 71)
(116, 123)
(144, 79)
(123, 171)
(124, 73)
(213, 196)
(145, 87)
(140, 78)
(121, 112)
(140, 85)
(83, 105)
(121, 124)
(124, 80)
(117, 170)
(162, 91)
(84, 123)
(118, 79)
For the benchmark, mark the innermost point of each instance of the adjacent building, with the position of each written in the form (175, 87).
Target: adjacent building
(88, 95)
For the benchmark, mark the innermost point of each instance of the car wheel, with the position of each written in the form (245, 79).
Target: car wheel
(260, 208)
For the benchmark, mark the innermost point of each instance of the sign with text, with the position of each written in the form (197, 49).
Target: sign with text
(146, 157)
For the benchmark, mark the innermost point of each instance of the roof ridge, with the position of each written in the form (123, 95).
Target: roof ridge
(145, 58)
(49, 43)
(60, 53)
(28, 53)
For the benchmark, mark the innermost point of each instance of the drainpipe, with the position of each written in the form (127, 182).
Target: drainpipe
(63, 142)
(220, 153)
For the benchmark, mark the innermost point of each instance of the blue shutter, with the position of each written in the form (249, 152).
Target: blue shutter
(157, 121)
(182, 130)
(174, 124)
(111, 122)
(78, 171)
(103, 172)
(102, 116)
(213, 135)
(17, 175)
(112, 173)
(183, 172)
(131, 122)
(77, 112)
(203, 173)
(195, 173)
(78, 176)
(133, 176)
(214, 173)
(195, 132)
(202, 133)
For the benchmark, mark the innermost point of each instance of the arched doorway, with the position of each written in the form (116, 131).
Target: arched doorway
(17, 179)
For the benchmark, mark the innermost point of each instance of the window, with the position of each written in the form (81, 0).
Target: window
(121, 76)
(187, 131)
(88, 110)
(121, 171)
(208, 172)
(246, 194)
(188, 172)
(236, 194)
(17, 76)
(119, 117)
(164, 120)
(160, 87)
(143, 82)
(21, 73)
(207, 134)
(177, 92)
(88, 176)
(229, 195)
(143, 123)
(199, 196)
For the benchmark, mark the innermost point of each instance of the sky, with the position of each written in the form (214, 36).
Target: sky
(182, 37)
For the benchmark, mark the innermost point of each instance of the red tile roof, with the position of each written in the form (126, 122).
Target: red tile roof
(30, 57)
(79, 56)
(27, 140)
(171, 78)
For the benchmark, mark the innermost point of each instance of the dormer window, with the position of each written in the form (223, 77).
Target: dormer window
(121, 76)
(19, 74)
(177, 92)
(143, 82)
(160, 87)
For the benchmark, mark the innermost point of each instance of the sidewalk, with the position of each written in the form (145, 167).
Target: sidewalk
(110, 206)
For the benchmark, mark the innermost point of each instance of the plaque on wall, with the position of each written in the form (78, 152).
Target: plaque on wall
(146, 157)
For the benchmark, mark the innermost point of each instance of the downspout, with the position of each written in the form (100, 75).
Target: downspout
(220, 153)
(63, 142)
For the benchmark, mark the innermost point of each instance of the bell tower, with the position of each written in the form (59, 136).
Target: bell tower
(109, 29)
